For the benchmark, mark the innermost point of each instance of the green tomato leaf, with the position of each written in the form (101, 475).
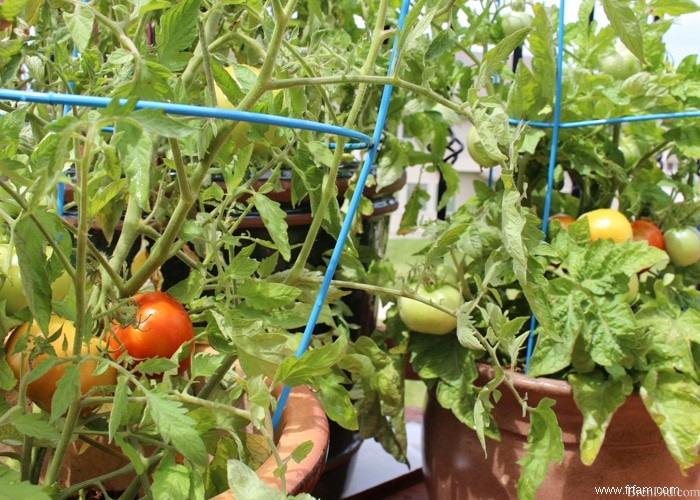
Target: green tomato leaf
(80, 24)
(336, 402)
(119, 406)
(673, 401)
(625, 25)
(228, 85)
(12, 487)
(172, 480)
(67, 388)
(176, 427)
(35, 425)
(33, 270)
(598, 399)
(244, 483)
(154, 121)
(176, 33)
(495, 58)
(544, 445)
(265, 295)
(274, 219)
(673, 8)
(10, 127)
(134, 149)
(8, 381)
(313, 363)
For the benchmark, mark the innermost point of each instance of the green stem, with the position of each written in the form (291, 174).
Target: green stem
(217, 377)
(82, 327)
(329, 186)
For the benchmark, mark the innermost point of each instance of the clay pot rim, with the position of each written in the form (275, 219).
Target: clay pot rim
(303, 419)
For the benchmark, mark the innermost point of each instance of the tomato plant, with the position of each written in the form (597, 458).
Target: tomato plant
(423, 318)
(514, 21)
(41, 390)
(606, 223)
(620, 63)
(683, 245)
(12, 291)
(645, 230)
(160, 327)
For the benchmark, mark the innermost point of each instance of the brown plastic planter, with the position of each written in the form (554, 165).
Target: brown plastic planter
(633, 452)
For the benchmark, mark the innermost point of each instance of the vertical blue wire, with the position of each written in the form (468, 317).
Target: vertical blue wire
(552, 159)
(349, 216)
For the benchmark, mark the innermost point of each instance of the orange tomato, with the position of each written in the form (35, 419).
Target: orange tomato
(41, 390)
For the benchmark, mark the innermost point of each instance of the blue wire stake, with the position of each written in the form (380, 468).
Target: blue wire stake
(347, 222)
(552, 160)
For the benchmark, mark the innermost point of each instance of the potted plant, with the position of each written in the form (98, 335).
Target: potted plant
(613, 319)
(109, 366)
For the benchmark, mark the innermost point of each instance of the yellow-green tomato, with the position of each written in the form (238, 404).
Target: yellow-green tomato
(606, 223)
(477, 151)
(12, 291)
(424, 318)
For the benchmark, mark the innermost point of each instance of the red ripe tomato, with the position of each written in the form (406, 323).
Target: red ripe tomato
(162, 325)
(644, 230)
(606, 223)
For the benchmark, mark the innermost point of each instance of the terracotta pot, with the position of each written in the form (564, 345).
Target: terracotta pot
(633, 452)
(303, 420)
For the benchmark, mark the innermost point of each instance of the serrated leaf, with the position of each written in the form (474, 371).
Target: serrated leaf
(227, 83)
(12, 487)
(67, 388)
(10, 127)
(302, 450)
(156, 365)
(495, 58)
(119, 406)
(154, 121)
(313, 363)
(264, 295)
(544, 445)
(246, 484)
(336, 402)
(625, 25)
(177, 428)
(275, 222)
(8, 381)
(33, 270)
(172, 480)
(176, 33)
(443, 42)
(134, 149)
(36, 426)
(673, 401)
(80, 24)
(598, 399)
